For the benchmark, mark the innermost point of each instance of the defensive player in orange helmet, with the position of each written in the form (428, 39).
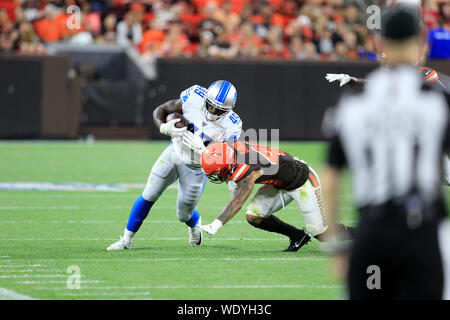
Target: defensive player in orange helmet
(284, 179)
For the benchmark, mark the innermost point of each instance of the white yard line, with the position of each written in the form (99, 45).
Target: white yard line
(237, 286)
(62, 221)
(122, 207)
(143, 239)
(101, 194)
(24, 270)
(59, 207)
(21, 266)
(150, 221)
(185, 259)
(56, 281)
(59, 221)
(34, 276)
(70, 186)
(145, 293)
(12, 295)
(67, 194)
(103, 208)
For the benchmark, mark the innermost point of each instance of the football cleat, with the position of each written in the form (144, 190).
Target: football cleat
(195, 234)
(299, 242)
(119, 245)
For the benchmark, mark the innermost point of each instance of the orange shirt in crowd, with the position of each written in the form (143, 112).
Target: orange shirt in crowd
(201, 3)
(276, 19)
(49, 30)
(54, 30)
(151, 36)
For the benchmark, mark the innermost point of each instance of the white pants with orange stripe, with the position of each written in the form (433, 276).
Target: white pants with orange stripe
(268, 200)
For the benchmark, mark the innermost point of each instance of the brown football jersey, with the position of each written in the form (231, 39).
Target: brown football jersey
(280, 169)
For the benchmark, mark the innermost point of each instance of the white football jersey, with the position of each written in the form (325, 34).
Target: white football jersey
(226, 128)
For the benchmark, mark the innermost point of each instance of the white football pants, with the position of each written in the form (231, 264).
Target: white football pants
(166, 170)
(268, 200)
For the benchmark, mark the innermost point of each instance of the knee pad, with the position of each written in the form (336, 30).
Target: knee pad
(254, 209)
(315, 224)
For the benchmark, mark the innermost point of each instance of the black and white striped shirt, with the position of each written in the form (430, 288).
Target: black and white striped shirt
(392, 137)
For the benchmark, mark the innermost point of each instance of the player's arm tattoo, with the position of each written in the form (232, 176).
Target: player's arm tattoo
(161, 112)
(245, 188)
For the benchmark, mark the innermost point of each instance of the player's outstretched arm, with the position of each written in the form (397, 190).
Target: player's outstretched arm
(343, 79)
(245, 188)
(161, 112)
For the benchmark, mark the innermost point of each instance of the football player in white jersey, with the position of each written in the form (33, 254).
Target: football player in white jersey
(211, 117)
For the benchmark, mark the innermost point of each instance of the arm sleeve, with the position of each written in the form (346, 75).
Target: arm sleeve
(336, 156)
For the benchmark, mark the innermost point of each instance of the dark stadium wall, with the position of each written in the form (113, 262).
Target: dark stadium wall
(20, 96)
(37, 98)
(290, 96)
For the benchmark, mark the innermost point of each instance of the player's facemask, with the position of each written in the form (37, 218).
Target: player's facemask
(218, 177)
(217, 160)
(212, 113)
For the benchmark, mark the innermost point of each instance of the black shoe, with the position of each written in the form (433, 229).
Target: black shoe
(299, 242)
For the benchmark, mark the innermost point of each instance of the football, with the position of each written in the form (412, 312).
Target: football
(183, 123)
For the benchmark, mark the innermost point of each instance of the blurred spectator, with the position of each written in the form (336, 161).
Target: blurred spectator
(249, 43)
(129, 31)
(430, 13)
(296, 48)
(108, 33)
(311, 51)
(49, 28)
(325, 41)
(444, 10)
(282, 29)
(438, 42)
(340, 53)
(165, 12)
(175, 42)
(5, 23)
(351, 42)
(153, 37)
(30, 10)
(206, 40)
(222, 48)
(91, 20)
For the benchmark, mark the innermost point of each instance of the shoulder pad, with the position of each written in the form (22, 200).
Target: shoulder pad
(233, 125)
(428, 75)
(193, 92)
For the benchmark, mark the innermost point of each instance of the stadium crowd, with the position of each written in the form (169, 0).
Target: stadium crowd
(285, 29)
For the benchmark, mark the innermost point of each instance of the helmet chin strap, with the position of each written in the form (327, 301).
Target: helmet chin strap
(212, 117)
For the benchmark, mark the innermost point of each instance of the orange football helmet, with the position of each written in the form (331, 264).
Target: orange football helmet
(217, 160)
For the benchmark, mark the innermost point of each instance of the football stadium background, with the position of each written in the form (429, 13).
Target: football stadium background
(78, 83)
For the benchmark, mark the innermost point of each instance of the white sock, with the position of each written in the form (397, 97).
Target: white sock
(128, 235)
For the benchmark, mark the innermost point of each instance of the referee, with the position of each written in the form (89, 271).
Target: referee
(392, 137)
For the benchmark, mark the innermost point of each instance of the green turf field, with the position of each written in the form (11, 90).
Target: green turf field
(43, 233)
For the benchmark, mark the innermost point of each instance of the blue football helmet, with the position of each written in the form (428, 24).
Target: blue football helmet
(219, 100)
